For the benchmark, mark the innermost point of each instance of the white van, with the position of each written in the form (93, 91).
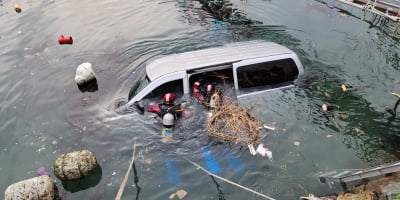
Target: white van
(243, 68)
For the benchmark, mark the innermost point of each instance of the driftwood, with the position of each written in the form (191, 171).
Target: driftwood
(232, 122)
(123, 184)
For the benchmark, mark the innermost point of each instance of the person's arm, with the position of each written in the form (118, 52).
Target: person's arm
(154, 109)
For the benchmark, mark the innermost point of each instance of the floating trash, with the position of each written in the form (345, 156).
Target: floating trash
(324, 107)
(41, 171)
(65, 40)
(344, 88)
(181, 194)
(17, 8)
(232, 122)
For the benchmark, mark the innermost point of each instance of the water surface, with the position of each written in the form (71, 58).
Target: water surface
(43, 113)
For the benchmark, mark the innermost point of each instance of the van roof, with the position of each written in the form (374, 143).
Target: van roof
(213, 56)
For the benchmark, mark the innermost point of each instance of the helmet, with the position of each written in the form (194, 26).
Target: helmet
(168, 119)
(209, 88)
(168, 98)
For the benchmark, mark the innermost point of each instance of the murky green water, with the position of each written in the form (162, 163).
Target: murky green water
(43, 114)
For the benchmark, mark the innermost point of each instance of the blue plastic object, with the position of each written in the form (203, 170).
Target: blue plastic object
(211, 164)
(173, 173)
(235, 163)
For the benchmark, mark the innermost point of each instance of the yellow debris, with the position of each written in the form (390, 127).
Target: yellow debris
(395, 94)
(17, 8)
(344, 88)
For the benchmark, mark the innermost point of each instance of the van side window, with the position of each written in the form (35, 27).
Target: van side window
(267, 74)
(175, 87)
(221, 79)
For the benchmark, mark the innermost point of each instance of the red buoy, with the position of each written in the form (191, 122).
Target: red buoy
(65, 40)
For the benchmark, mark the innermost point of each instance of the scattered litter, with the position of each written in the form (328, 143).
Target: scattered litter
(264, 151)
(357, 130)
(65, 40)
(329, 136)
(172, 196)
(41, 171)
(343, 14)
(17, 8)
(327, 95)
(324, 107)
(148, 161)
(181, 194)
(395, 94)
(344, 88)
(252, 150)
(269, 127)
(296, 143)
(114, 173)
(343, 116)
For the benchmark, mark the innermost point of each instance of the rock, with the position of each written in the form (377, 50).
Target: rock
(84, 73)
(75, 165)
(38, 188)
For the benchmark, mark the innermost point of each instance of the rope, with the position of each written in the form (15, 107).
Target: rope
(122, 186)
(228, 181)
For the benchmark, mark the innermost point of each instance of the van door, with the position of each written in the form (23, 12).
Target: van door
(261, 74)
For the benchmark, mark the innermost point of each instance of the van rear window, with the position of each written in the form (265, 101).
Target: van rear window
(267, 73)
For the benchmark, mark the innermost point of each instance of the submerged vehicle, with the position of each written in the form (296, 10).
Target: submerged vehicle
(241, 68)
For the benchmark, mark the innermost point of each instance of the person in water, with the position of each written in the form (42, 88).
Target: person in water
(203, 94)
(167, 110)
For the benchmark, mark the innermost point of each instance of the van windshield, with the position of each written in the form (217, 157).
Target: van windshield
(138, 87)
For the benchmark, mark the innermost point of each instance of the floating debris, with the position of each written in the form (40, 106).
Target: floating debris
(148, 161)
(232, 122)
(41, 171)
(327, 95)
(65, 40)
(181, 194)
(324, 107)
(343, 116)
(344, 88)
(172, 196)
(17, 8)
